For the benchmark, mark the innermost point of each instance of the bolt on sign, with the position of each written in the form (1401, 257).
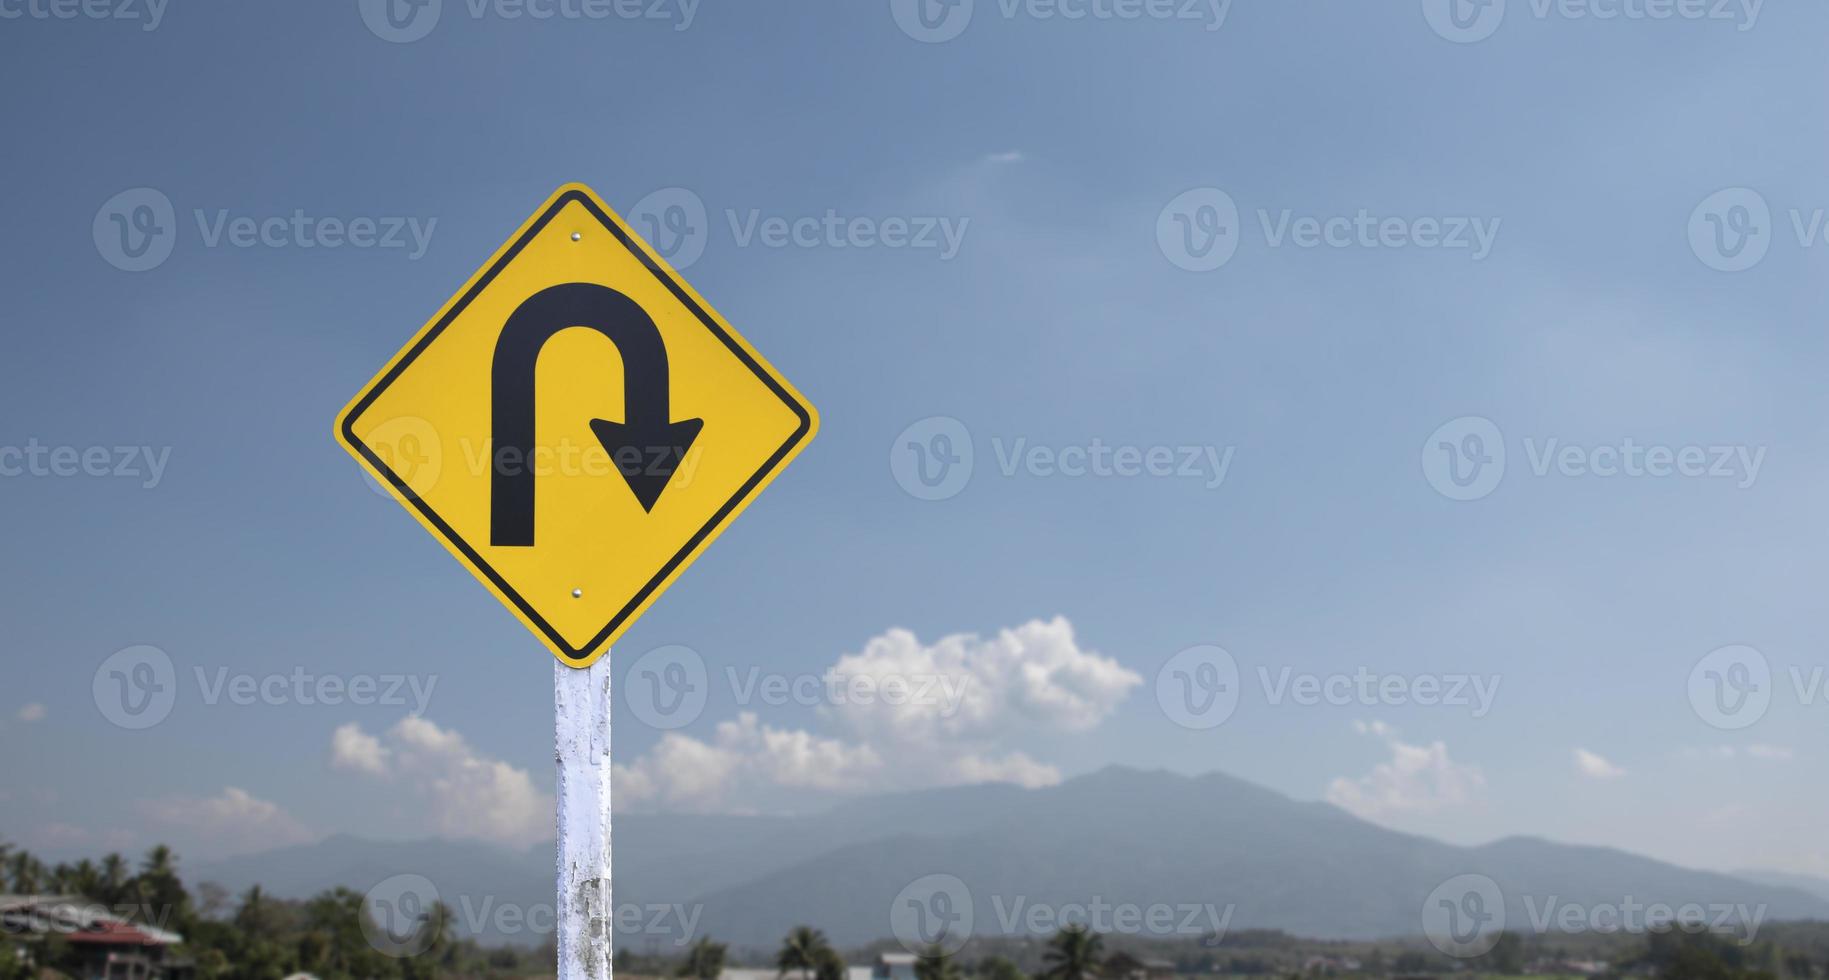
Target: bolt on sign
(576, 425)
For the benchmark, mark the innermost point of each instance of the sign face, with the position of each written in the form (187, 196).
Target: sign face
(576, 425)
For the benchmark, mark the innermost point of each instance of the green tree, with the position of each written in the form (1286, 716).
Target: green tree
(800, 950)
(704, 960)
(934, 963)
(26, 873)
(1506, 956)
(1000, 968)
(112, 889)
(1074, 954)
(831, 965)
(12, 966)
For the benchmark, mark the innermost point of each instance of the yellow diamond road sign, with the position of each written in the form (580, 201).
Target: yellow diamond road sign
(576, 425)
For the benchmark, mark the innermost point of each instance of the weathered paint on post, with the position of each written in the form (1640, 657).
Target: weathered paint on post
(581, 711)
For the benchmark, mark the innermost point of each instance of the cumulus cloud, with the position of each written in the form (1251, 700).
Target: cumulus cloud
(1594, 766)
(354, 749)
(32, 713)
(743, 757)
(462, 793)
(233, 822)
(936, 714)
(1418, 779)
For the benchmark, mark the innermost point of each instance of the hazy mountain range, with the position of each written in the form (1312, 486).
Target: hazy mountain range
(1119, 835)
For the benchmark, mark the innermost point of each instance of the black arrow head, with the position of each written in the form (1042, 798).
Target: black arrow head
(647, 455)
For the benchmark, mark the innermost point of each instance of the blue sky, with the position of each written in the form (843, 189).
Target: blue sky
(1588, 148)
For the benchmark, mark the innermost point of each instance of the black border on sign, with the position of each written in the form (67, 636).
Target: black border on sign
(672, 283)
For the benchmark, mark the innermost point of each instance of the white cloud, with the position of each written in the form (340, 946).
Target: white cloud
(1774, 753)
(461, 793)
(32, 713)
(744, 759)
(233, 822)
(1594, 766)
(1034, 678)
(354, 749)
(1006, 157)
(932, 715)
(1418, 779)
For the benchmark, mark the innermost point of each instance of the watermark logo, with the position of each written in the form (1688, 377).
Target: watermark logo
(400, 21)
(150, 13)
(933, 458)
(935, 21)
(1464, 916)
(136, 229)
(1468, 21)
(1464, 459)
(1731, 230)
(411, 448)
(1201, 230)
(37, 460)
(1198, 230)
(1731, 688)
(1464, 21)
(1734, 230)
(667, 687)
(399, 919)
(932, 911)
(136, 688)
(406, 21)
(932, 21)
(1199, 687)
(674, 222)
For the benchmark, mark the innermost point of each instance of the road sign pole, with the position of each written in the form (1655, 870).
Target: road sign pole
(581, 713)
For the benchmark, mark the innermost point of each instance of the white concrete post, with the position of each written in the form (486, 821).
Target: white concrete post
(581, 712)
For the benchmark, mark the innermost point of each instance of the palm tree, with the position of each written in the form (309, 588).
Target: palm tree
(27, 873)
(705, 960)
(831, 965)
(801, 951)
(1074, 954)
(114, 879)
(936, 964)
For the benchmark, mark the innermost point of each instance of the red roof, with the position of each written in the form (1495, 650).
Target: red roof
(106, 933)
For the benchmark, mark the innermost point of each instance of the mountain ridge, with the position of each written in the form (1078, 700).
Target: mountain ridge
(1119, 835)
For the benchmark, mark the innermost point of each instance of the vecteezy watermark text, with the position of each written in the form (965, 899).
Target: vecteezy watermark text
(1468, 21)
(137, 688)
(39, 461)
(398, 914)
(1200, 688)
(937, 21)
(149, 14)
(406, 21)
(1200, 231)
(938, 910)
(1465, 916)
(136, 231)
(1733, 230)
(1465, 459)
(934, 459)
(668, 687)
(676, 222)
